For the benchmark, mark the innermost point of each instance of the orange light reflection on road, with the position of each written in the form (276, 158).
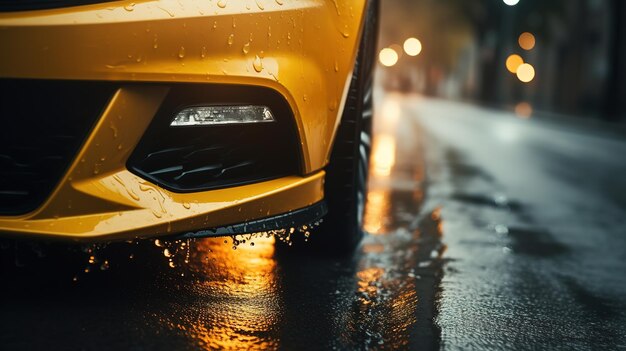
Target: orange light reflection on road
(247, 278)
(382, 161)
(377, 211)
(383, 155)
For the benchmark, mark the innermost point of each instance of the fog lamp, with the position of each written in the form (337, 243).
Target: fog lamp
(212, 115)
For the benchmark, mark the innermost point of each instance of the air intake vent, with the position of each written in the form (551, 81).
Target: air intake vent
(187, 158)
(42, 125)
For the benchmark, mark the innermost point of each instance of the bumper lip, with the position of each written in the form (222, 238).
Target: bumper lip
(291, 219)
(280, 198)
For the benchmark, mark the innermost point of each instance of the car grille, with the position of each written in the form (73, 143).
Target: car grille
(42, 126)
(25, 5)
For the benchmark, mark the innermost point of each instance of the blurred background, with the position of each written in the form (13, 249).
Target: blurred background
(557, 57)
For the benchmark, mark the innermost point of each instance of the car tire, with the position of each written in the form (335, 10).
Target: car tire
(345, 185)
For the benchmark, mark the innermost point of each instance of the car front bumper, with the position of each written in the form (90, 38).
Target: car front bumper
(304, 50)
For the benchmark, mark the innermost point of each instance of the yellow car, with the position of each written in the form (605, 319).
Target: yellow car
(124, 120)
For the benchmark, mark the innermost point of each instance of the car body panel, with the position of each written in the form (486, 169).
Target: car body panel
(304, 50)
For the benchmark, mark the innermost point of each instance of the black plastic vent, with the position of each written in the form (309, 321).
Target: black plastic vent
(42, 125)
(196, 158)
(25, 5)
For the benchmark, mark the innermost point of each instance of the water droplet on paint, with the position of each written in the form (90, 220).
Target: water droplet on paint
(257, 64)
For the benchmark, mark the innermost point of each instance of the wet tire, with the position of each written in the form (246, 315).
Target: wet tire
(346, 174)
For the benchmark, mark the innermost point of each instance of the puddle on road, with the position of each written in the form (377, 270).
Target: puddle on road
(232, 301)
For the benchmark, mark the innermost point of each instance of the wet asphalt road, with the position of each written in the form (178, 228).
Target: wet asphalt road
(487, 232)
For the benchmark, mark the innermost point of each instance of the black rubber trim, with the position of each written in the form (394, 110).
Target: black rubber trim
(294, 219)
(27, 5)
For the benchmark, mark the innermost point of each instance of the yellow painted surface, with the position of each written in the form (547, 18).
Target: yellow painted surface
(100, 198)
(152, 211)
(303, 49)
(306, 49)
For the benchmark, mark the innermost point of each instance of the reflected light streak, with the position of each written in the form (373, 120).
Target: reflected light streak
(377, 211)
(367, 287)
(251, 266)
(246, 277)
(383, 155)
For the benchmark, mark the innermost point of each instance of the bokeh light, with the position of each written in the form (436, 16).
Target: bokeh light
(526, 41)
(511, 2)
(388, 57)
(398, 49)
(412, 46)
(513, 62)
(525, 72)
(523, 110)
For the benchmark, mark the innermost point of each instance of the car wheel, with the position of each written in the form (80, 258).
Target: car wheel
(345, 187)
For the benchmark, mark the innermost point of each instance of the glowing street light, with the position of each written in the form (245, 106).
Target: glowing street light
(412, 46)
(525, 72)
(526, 41)
(388, 57)
(511, 2)
(398, 49)
(513, 62)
